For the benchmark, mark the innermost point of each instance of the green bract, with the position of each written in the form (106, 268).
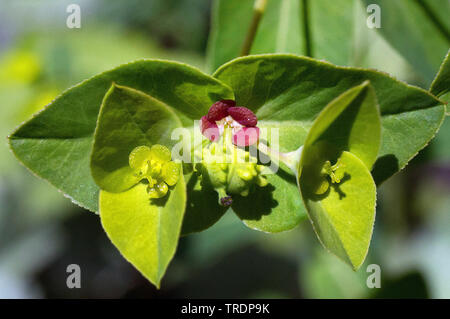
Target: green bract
(108, 144)
(146, 232)
(127, 119)
(141, 216)
(341, 198)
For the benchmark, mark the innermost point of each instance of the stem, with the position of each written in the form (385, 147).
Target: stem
(258, 11)
(306, 30)
(291, 159)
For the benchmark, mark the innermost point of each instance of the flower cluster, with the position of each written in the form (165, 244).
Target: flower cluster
(329, 174)
(235, 176)
(225, 114)
(154, 164)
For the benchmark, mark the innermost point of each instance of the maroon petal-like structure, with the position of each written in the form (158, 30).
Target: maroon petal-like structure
(246, 136)
(209, 129)
(219, 110)
(243, 116)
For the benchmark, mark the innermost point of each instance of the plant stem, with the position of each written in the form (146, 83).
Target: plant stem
(291, 159)
(258, 11)
(306, 29)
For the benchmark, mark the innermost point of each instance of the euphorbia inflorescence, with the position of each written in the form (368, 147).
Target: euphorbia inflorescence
(330, 174)
(154, 165)
(238, 174)
(348, 129)
(225, 114)
(227, 167)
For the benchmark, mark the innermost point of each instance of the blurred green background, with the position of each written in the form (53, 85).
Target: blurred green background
(41, 232)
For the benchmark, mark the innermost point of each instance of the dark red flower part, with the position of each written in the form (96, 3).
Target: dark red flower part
(209, 129)
(246, 136)
(219, 110)
(242, 121)
(243, 116)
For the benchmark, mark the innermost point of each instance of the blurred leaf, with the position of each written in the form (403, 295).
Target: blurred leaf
(332, 30)
(411, 285)
(128, 119)
(279, 29)
(60, 137)
(419, 30)
(173, 23)
(322, 277)
(145, 231)
(440, 144)
(289, 92)
(19, 67)
(334, 33)
(330, 27)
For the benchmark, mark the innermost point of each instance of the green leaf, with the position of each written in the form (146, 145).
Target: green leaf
(128, 119)
(344, 216)
(273, 208)
(419, 30)
(145, 231)
(202, 208)
(332, 30)
(227, 36)
(288, 92)
(351, 122)
(280, 30)
(441, 83)
(56, 143)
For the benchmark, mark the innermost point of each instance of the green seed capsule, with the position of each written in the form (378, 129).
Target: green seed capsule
(235, 178)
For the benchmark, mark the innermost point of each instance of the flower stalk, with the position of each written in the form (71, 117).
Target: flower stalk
(258, 11)
(290, 159)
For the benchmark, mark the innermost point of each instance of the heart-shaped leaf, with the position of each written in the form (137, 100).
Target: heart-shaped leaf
(145, 230)
(56, 143)
(343, 217)
(288, 92)
(128, 119)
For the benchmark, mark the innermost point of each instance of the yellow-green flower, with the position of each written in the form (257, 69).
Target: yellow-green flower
(154, 164)
(329, 174)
